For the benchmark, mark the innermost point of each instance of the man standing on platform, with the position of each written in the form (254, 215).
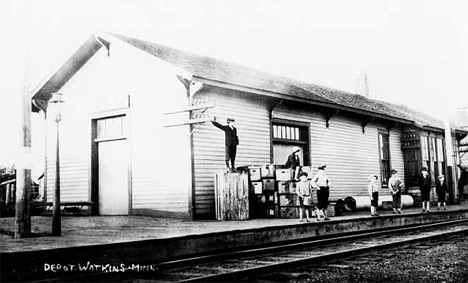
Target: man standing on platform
(425, 188)
(322, 183)
(231, 142)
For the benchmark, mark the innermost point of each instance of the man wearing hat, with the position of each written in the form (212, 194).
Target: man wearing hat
(231, 141)
(294, 162)
(442, 190)
(394, 184)
(425, 188)
(321, 182)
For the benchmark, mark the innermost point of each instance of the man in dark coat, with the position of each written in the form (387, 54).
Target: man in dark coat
(463, 182)
(231, 141)
(425, 188)
(294, 162)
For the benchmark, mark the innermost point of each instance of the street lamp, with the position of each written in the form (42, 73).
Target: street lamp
(56, 221)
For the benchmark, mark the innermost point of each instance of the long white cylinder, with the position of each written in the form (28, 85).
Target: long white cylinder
(353, 203)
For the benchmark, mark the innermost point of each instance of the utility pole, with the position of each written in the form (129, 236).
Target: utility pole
(23, 166)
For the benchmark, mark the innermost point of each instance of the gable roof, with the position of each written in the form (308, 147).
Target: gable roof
(215, 70)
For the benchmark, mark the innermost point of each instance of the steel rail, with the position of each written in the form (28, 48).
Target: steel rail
(230, 275)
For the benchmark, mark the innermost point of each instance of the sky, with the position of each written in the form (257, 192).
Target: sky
(413, 52)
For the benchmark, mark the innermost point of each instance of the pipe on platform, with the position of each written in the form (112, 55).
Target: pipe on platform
(353, 203)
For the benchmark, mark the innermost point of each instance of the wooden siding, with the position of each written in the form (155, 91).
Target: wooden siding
(350, 155)
(253, 129)
(159, 179)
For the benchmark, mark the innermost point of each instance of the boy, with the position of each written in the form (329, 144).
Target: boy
(304, 191)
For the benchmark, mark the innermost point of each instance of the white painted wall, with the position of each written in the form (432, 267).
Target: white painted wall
(160, 157)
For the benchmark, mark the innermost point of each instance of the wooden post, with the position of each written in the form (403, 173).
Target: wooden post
(23, 166)
(56, 217)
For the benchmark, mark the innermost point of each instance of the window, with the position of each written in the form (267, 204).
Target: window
(425, 151)
(440, 156)
(384, 152)
(288, 136)
(110, 128)
(286, 132)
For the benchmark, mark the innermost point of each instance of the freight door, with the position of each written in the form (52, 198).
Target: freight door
(282, 151)
(113, 177)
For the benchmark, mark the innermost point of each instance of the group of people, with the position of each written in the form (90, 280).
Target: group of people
(395, 185)
(320, 183)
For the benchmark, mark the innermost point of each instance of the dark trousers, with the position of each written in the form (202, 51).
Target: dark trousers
(231, 155)
(322, 197)
(396, 203)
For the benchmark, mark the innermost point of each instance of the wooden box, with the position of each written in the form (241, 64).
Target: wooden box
(284, 187)
(270, 212)
(271, 199)
(268, 171)
(257, 187)
(283, 174)
(232, 196)
(289, 200)
(289, 212)
(254, 173)
(331, 210)
(268, 184)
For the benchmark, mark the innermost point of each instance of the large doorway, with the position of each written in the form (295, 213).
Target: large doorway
(113, 178)
(110, 166)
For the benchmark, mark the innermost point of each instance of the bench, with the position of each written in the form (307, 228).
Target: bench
(73, 206)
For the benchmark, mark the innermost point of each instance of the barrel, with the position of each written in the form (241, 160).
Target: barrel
(353, 203)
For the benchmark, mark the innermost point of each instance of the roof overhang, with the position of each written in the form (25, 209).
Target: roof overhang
(300, 99)
(53, 83)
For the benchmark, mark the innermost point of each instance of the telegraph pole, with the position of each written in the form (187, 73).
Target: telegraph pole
(23, 166)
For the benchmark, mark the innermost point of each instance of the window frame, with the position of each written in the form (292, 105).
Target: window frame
(384, 184)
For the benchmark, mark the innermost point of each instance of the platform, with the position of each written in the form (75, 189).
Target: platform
(143, 240)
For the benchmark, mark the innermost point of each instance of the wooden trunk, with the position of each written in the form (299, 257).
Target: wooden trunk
(232, 196)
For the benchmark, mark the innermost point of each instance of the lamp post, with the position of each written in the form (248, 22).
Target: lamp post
(56, 221)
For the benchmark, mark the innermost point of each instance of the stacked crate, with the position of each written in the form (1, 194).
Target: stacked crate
(288, 199)
(264, 201)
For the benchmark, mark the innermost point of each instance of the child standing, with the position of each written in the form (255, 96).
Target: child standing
(374, 194)
(442, 190)
(394, 184)
(304, 191)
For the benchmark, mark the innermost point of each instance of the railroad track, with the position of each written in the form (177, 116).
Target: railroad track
(239, 265)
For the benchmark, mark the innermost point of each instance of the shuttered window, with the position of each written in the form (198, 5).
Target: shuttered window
(384, 152)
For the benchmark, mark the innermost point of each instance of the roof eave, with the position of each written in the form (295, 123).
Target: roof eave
(298, 99)
(53, 83)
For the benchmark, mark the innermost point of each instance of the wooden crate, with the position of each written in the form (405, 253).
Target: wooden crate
(268, 184)
(268, 171)
(283, 174)
(254, 173)
(288, 200)
(289, 212)
(271, 199)
(284, 187)
(331, 210)
(270, 212)
(257, 187)
(232, 196)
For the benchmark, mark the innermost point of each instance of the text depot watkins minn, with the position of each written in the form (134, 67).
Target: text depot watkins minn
(90, 267)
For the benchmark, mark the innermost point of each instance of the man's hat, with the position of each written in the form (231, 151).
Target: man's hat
(231, 120)
(303, 174)
(372, 176)
(424, 169)
(393, 171)
(321, 167)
